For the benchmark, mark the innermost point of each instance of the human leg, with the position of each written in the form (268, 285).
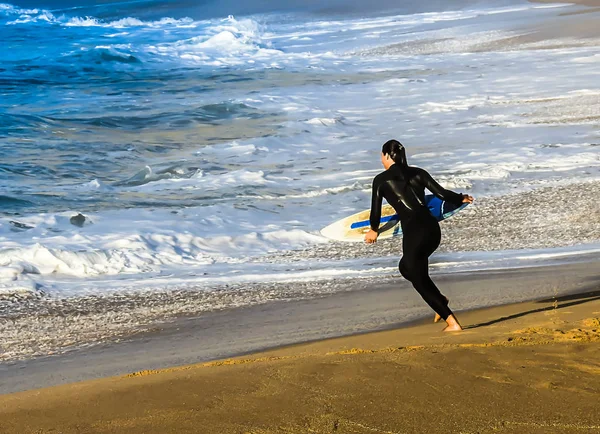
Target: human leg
(437, 317)
(415, 270)
(419, 242)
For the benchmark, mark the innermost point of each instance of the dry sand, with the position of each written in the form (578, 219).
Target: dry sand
(525, 368)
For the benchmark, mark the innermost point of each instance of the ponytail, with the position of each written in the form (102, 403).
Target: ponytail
(396, 151)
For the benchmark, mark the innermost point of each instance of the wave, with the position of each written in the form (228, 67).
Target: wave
(104, 54)
(42, 260)
(13, 202)
(27, 169)
(147, 175)
(221, 42)
(202, 10)
(209, 114)
(18, 15)
(229, 42)
(326, 122)
(129, 22)
(192, 178)
(18, 121)
(87, 254)
(331, 191)
(101, 56)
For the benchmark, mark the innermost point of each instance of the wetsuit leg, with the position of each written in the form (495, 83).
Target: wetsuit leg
(420, 239)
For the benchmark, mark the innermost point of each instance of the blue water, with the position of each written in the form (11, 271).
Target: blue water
(96, 93)
(71, 83)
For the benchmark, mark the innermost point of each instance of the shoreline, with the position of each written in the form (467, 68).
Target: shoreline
(359, 311)
(592, 3)
(509, 357)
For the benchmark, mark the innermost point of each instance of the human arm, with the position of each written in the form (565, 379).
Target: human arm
(375, 217)
(447, 195)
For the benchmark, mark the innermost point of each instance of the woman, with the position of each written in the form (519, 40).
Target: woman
(404, 187)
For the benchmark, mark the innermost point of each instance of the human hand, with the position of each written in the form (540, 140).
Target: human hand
(467, 198)
(371, 237)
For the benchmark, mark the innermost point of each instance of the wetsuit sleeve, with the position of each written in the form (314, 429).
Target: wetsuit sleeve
(431, 185)
(376, 201)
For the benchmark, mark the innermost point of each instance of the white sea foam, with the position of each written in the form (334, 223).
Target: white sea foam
(224, 42)
(129, 243)
(462, 104)
(317, 193)
(325, 121)
(33, 16)
(36, 15)
(198, 181)
(93, 185)
(126, 22)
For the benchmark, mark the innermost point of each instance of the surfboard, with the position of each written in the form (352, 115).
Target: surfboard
(354, 227)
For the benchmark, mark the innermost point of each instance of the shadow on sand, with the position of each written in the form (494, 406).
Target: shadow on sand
(557, 303)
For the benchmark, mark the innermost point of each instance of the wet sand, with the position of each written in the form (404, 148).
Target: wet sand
(531, 367)
(362, 306)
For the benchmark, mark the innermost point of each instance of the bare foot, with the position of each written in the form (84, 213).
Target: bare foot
(453, 328)
(437, 317)
(453, 325)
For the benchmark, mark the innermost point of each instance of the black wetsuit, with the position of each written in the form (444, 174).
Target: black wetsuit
(404, 189)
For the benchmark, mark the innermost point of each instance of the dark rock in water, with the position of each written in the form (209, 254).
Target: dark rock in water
(79, 220)
(19, 226)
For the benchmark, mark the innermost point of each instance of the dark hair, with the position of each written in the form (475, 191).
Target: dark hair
(396, 151)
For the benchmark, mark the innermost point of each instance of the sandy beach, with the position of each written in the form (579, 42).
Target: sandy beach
(528, 367)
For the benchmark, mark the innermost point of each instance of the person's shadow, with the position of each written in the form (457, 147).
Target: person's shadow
(558, 303)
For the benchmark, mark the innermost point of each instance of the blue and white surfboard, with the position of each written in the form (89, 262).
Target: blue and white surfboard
(354, 227)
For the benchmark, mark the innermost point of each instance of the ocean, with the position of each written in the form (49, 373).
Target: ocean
(162, 151)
